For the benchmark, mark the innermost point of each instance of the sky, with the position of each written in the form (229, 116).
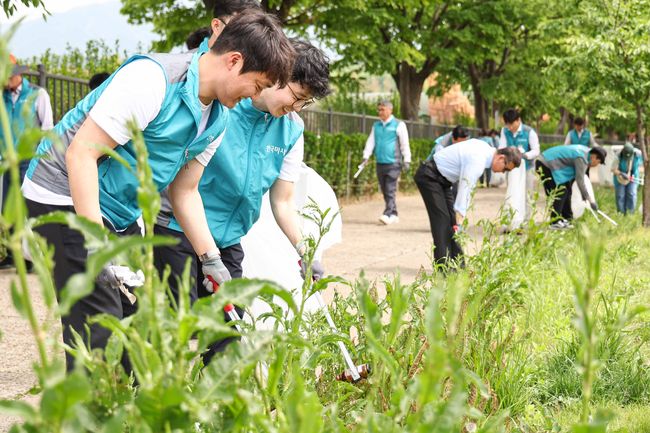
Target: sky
(53, 6)
(74, 22)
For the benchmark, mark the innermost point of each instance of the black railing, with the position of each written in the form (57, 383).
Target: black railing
(319, 121)
(64, 91)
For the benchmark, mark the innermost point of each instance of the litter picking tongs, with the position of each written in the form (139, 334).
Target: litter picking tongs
(354, 370)
(602, 214)
(361, 167)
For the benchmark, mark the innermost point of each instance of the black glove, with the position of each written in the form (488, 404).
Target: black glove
(594, 206)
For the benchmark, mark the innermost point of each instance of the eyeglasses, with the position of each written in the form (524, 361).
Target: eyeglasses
(299, 103)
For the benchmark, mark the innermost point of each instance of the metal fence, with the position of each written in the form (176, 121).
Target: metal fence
(64, 91)
(319, 121)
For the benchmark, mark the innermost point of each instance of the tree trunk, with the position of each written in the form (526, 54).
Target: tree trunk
(564, 117)
(409, 83)
(481, 109)
(643, 144)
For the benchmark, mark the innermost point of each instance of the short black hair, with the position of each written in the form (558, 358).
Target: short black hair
(579, 121)
(229, 8)
(195, 38)
(600, 153)
(459, 131)
(311, 68)
(97, 80)
(512, 154)
(511, 115)
(259, 38)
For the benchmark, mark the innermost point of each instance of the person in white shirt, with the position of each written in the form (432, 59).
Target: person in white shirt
(520, 185)
(389, 141)
(180, 103)
(464, 163)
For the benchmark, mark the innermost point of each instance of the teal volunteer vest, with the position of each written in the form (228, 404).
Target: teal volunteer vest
(243, 169)
(27, 95)
(386, 142)
(170, 139)
(561, 161)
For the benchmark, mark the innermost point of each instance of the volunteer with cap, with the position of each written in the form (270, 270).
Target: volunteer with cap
(19, 92)
(626, 177)
(559, 166)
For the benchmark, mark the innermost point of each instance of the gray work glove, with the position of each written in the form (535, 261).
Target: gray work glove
(594, 206)
(214, 271)
(625, 176)
(317, 270)
(406, 166)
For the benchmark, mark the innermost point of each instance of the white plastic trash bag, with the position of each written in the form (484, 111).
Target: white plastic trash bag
(578, 205)
(516, 196)
(269, 255)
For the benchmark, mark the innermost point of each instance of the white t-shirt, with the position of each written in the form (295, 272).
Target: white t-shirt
(292, 162)
(138, 91)
(464, 163)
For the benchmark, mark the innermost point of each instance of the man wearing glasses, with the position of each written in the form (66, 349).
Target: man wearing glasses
(262, 150)
(462, 163)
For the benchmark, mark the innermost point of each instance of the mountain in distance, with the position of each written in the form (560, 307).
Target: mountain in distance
(77, 26)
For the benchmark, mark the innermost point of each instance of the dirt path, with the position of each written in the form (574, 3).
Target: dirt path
(404, 247)
(377, 249)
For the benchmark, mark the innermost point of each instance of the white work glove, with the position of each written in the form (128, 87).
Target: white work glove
(214, 271)
(120, 278)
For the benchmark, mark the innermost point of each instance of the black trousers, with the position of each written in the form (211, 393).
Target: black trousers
(176, 256)
(438, 197)
(70, 258)
(562, 204)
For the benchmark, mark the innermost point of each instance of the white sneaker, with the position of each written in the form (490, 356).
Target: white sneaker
(385, 219)
(561, 225)
(394, 219)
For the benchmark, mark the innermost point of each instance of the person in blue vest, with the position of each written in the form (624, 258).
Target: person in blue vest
(389, 142)
(626, 167)
(559, 167)
(517, 134)
(180, 103)
(459, 132)
(262, 151)
(19, 91)
(580, 135)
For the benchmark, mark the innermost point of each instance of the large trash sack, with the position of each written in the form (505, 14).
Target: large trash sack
(268, 253)
(578, 205)
(516, 196)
